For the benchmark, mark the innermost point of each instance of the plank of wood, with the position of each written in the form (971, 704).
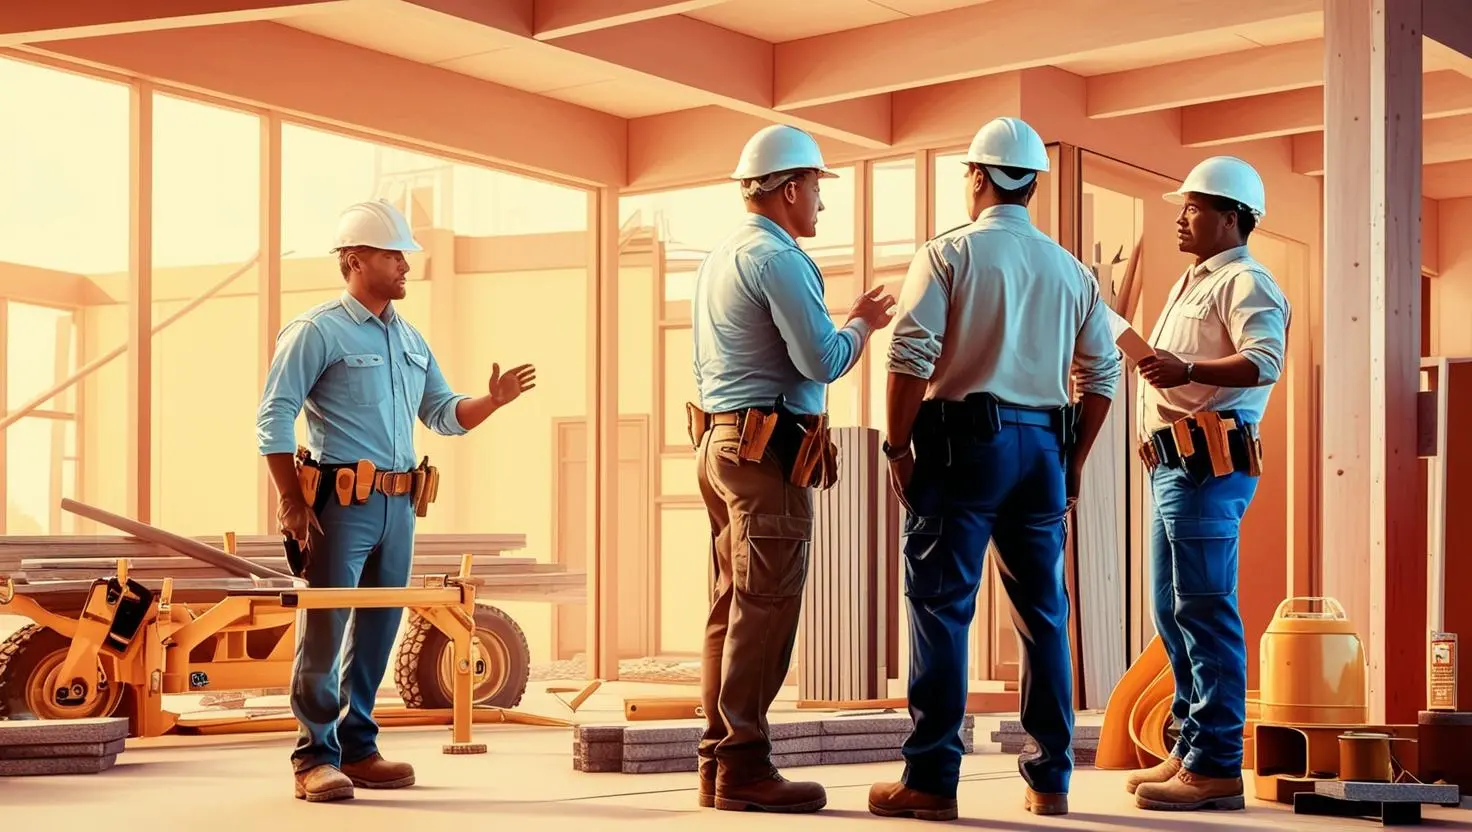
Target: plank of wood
(433, 563)
(248, 546)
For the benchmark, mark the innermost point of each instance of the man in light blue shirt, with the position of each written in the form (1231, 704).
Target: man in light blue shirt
(765, 350)
(363, 373)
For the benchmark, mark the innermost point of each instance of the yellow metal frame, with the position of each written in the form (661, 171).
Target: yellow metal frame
(157, 660)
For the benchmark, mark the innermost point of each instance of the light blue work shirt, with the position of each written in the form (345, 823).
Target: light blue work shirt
(362, 378)
(760, 327)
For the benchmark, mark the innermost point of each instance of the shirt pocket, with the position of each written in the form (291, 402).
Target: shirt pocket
(1188, 328)
(416, 371)
(365, 377)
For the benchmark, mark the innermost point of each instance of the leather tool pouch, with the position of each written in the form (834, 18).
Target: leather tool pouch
(344, 486)
(363, 488)
(1217, 448)
(756, 431)
(1254, 450)
(697, 423)
(426, 487)
(308, 475)
(816, 463)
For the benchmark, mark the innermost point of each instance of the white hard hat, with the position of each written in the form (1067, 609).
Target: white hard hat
(778, 148)
(1225, 176)
(376, 224)
(1010, 143)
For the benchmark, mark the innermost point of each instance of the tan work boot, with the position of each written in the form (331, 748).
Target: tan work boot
(896, 800)
(377, 773)
(1045, 803)
(771, 794)
(1155, 774)
(320, 784)
(1188, 792)
(707, 785)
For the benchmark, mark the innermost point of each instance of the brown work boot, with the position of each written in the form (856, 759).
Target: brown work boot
(896, 800)
(1045, 803)
(1188, 792)
(707, 784)
(1156, 774)
(774, 793)
(320, 784)
(374, 772)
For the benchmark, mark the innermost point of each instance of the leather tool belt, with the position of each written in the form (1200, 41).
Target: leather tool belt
(1218, 442)
(353, 484)
(982, 415)
(815, 464)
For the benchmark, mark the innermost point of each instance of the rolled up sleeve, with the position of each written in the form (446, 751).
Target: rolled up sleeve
(920, 315)
(1096, 362)
(300, 359)
(1257, 314)
(437, 408)
(794, 291)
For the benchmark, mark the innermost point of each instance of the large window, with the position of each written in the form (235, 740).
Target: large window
(63, 221)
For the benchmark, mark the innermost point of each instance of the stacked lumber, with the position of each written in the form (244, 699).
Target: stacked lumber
(653, 749)
(60, 746)
(1014, 740)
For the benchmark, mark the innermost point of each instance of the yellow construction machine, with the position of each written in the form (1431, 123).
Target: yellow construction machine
(116, 644)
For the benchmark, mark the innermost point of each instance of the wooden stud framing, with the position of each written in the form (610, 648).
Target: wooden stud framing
(602, 406)
(140, 305)
(268, 267)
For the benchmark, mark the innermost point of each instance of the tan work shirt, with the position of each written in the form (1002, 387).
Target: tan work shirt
(997, 306)
(1228, 304)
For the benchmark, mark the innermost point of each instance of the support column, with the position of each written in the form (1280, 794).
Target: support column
(1373, 556)
(602, 546)
(268, 299)
(140, 305)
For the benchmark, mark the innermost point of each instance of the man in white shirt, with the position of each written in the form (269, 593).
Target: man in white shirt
(991, 318)
(1220, 347)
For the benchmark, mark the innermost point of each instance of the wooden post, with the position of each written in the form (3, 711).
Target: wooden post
(602, 557)
(1372, 151)
(140, 305)
(268, 299)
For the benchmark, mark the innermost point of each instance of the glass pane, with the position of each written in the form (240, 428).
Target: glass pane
(32, 462)
(834, 242)
(950, 192)
(37, 336)
(685, 572)
(679, 385)
(893, 227)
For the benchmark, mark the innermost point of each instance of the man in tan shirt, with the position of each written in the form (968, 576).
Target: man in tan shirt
(1220, 346)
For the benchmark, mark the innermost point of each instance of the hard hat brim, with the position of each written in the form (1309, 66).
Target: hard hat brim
(823, 173)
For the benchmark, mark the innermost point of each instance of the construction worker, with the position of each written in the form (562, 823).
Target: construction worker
(1219, 348)
(765, 349)
(363, 373)
(985, 445)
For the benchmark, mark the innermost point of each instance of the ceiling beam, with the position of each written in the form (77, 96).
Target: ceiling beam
(1449, 22)
(999, 36)
(715, 65)
(1266, 69)
(39, 22)
(562, 18)
(317, 78)
(1445, 93)
(1443, 141)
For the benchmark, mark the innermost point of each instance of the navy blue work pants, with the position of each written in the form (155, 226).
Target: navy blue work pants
(964, 494)
(1193, 563)
(342, 654)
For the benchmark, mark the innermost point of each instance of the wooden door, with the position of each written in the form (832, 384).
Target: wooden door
(631, 566)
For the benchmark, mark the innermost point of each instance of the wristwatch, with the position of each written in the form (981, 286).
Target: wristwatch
(894, 453)
(1190, 368)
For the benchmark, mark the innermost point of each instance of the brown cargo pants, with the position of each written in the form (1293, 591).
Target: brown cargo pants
(761, 529)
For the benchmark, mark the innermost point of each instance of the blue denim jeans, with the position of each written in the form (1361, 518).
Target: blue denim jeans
(1009, 489)
(1197, 518)
(334, 681)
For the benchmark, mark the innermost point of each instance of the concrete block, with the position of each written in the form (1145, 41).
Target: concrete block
(55, 765)
(1013, 726)
(862, 755)
(598, 750)
(1390, 792)
(33, 752)
(62, 731)
(600, 733)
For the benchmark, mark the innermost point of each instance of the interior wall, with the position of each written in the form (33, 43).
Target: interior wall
(1451, 291)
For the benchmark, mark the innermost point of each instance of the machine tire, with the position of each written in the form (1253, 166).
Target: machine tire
(422, 680)
(20, 654)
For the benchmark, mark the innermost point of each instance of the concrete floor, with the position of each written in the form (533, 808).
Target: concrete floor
(526, 781)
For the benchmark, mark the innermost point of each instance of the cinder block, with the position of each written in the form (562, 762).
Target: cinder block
(34, 752)
(1435, 793)
(600, 733)
(62, 731)
(55, 765)
(862, 755)
(598, 750)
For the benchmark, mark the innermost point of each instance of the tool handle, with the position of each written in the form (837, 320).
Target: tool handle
(1332, 608)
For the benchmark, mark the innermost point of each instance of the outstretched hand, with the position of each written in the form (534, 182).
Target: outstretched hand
(505, 389)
